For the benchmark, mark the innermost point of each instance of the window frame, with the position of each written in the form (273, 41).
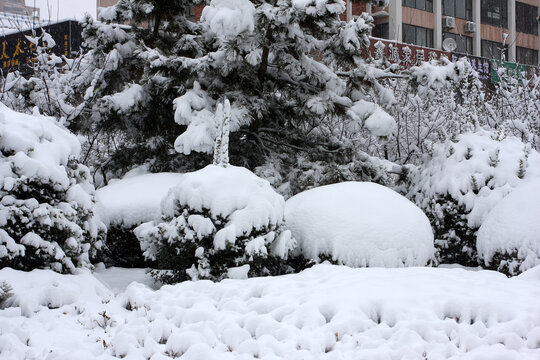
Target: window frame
(491, 44)
(487, 7)
(380, 30)
(452, 9)
(414, 4)
(415, 30)
(527, 15)
(532, 53)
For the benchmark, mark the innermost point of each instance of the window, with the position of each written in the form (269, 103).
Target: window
(190, 13)
(457, 8)
(526, 56)
(381, 31)
(492, 50)
(494, 12)
(426, 5)
(526, 18)
(464, 43)
(417, 35)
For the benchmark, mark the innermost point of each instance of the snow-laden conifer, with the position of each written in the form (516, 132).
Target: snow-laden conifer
(220, 221)
(46, 197)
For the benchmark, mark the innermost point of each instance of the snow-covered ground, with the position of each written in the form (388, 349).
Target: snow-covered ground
(326, 312)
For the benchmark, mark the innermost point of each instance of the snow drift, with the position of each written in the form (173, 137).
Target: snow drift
(324, 313)
(360, 224)
(134, 200)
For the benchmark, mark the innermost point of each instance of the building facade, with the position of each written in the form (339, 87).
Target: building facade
(194, 13)
(18, 7)
(482, 28)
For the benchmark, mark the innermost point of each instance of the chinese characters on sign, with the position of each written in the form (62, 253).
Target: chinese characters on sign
(481, 65)
(507, 69)
(404, 55)
(18, 52)
(23, 53)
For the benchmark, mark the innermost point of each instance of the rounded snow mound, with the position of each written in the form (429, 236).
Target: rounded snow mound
(511, 231)
(233, 193)
(136, 199)
(360, 224)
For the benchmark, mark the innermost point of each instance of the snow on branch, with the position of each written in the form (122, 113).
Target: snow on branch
(221, 144)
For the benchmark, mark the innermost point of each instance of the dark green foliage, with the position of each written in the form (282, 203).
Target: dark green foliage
(507, 263)
(5, 293)
(181, 254)
(455, 241)
(50, 230)
(122, 248)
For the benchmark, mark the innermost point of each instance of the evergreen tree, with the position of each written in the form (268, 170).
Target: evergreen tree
(46, 197)
(220, 221)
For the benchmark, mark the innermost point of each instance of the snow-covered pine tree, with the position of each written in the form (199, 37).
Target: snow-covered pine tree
(218, 222)
(124, 113)
(159, 30)
(462, 180)
(295, 77)
(46, 197)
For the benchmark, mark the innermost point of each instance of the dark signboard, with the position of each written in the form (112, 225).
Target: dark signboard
(17, 52)
(489, 69)
(480, 64)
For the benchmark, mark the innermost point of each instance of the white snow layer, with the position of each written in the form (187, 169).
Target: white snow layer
(126, 100)
(360, 224)
(374, 118)
(234, 193)
(134, 200)
(513, 225)
(193, 109)
(229, 17)
(477, 171)
(41, 147)
(324, 313)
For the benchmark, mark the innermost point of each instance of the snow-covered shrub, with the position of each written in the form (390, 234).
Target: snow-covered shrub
(462, 181)
(509, 238)
(46, 197)
(5, 293)
(126, 204)
(220, 221)
(312, 171)
(359, 224)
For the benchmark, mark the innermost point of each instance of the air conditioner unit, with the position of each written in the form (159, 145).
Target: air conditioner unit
(449, 22)
(470, 27)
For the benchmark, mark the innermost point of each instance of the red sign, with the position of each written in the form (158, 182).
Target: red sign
(403, 54)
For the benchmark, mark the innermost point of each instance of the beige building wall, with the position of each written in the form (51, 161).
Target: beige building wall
(18, 7)
(104, 3)
(396, 14)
